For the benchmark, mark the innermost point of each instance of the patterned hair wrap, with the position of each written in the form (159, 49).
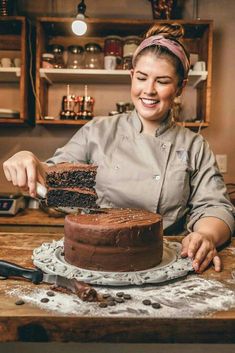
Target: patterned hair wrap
(173, 46)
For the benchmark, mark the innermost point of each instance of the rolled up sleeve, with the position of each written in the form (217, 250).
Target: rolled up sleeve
(209, 196)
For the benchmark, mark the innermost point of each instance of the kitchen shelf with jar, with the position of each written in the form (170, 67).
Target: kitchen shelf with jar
(14, 78)
(104, 76)
(57, 31)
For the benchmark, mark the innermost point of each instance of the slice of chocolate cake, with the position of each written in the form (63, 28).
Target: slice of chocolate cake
(71, 185)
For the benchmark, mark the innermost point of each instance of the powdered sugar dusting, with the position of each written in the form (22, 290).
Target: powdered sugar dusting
(191, 297)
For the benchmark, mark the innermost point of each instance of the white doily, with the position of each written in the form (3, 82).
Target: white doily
(49, 258)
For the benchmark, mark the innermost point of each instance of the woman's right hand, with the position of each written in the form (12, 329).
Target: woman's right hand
(24, 169)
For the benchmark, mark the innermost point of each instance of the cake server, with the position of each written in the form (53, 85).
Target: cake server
(41, 191)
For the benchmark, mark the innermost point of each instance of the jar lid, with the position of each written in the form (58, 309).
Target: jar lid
(56, 48)
(134, 38)
(114, 37)
(93, 47)
(48, 55)
(76, 49)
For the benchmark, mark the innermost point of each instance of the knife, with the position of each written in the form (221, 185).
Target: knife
(36, 276)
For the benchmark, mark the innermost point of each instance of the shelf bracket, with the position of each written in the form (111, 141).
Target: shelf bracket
(45, 77)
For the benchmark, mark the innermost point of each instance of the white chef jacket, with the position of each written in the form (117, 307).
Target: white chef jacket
(173, 173)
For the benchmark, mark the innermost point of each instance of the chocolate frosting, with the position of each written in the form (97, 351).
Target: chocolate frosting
(117, 240)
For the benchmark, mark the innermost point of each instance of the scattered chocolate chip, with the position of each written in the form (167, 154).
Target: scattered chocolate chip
(146, 302)
(106, 295)
(111, 303)
(19, 302)
(50, 293)
(44, 300)
(127, 296)
(119, 300)
(119, 294)
(156, 305)
(103, 305)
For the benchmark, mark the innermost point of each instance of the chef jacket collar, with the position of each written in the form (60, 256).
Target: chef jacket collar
(166, 124)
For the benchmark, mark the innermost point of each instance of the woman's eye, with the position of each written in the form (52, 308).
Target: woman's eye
(163, 82)
(141, 78)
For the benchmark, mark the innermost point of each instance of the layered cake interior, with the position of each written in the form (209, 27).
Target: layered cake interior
(114, 240)
(71, 185)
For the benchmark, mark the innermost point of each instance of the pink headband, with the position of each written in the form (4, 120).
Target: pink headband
(173, 46)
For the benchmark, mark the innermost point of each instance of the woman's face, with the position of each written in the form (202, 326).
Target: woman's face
(154, 87)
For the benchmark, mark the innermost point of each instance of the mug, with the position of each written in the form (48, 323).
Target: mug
(17, 62)
(6, 62)
(199, 66)
(110, 62)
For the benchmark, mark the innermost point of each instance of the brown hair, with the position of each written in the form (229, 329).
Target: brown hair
(174, 32)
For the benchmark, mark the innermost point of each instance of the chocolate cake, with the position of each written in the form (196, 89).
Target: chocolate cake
(71, 185)
(114, 240)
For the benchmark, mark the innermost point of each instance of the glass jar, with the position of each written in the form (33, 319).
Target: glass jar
(58, 51)
(48, 60)
(75, 57)
(131, 43)
(113, 46)
(93, 56)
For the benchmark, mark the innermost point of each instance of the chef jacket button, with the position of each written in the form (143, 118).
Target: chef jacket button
(163, 146)
(116, 167)
(156, 177)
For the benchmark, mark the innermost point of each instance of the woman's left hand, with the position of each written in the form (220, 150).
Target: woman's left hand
(201, 248)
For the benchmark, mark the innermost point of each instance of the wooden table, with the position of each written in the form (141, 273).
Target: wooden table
(29, 323)
(31, 220)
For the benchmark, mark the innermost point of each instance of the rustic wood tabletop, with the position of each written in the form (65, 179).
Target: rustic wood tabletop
(195, 309)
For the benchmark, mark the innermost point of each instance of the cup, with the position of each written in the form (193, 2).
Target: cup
(199, 66)
(17, 62)
(110, 62)
(6, 62)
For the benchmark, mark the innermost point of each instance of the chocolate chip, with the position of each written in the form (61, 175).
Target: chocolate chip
(111, 303)
(44, 300)
(156, 305)
(119, 300)
(120, 294)
(103, 305)
(106, 295)
(50, 293)
(19, 302)
(146, 302)
(127, 296)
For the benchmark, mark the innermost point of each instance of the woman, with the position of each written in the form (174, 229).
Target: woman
(147, 161)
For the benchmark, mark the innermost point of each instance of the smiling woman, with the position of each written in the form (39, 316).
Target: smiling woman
(145, 160)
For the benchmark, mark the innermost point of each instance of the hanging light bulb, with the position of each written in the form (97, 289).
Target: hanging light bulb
(79, 26)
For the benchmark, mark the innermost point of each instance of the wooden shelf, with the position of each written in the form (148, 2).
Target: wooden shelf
(10, 74)
(61, 122)
(103, 76)
(51, 31)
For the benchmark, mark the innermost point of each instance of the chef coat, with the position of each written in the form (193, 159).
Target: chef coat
(173, 173)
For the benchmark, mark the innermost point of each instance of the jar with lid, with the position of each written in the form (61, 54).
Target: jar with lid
(48, 60)
(93, 56)
(131, 43)
(75, 57)
(58, 51)
(113, 46)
